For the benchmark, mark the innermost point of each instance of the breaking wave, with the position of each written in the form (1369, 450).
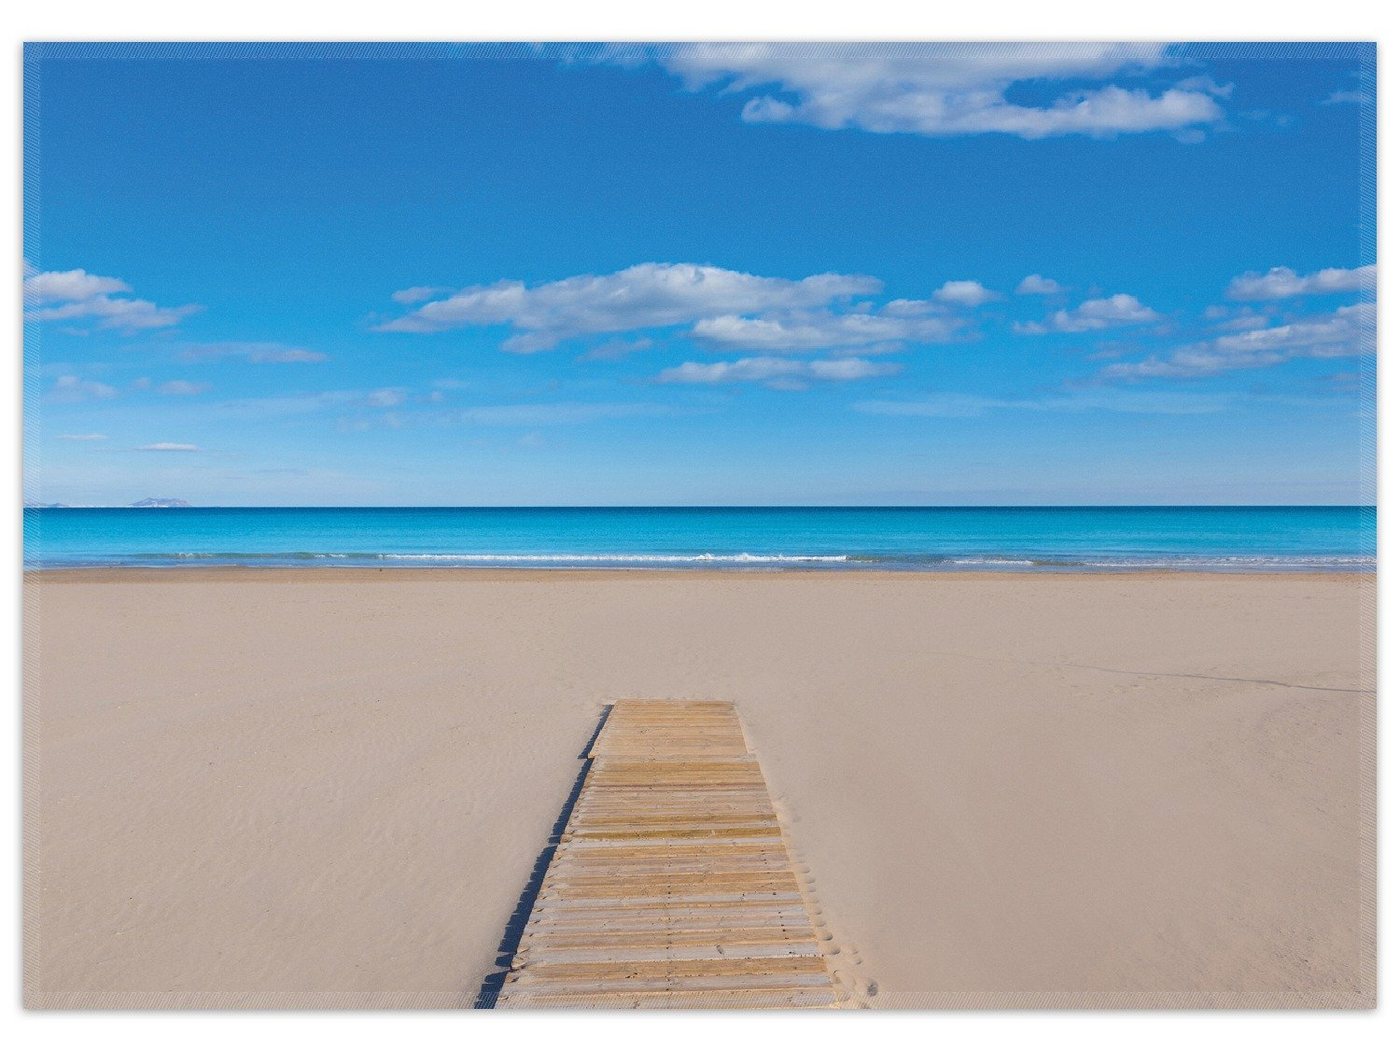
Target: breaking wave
(913, 562)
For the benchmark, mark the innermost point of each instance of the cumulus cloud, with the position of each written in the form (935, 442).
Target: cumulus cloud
(182, 388)
(76, 295)
(1034, 284)
(70, 389)
(1283, 283)
(776, 371)
(944, 89)
(168, 446)
(965, 293)
(1350, 331)
(649, 295)
(867, 331)
(255, 353)
(723, 309)
(1094, 315)
(68, 286)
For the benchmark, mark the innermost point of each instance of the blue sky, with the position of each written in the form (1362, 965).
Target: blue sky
(699, 274)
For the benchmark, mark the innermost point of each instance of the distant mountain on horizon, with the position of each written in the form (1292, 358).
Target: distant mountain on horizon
(149, 502)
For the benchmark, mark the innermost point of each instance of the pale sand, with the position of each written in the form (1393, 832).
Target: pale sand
(329, 788)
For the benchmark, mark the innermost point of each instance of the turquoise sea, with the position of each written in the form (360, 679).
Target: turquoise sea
(755, 538)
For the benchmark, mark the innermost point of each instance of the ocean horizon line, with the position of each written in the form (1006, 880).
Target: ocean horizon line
(914, 538)
(185, 505)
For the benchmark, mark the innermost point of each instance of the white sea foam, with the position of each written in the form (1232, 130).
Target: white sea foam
(990, 561)
(666, 559)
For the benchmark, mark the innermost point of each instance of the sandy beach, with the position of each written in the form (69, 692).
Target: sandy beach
(328, 788)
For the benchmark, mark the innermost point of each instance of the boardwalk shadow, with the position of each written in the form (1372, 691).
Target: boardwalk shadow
(515, 925)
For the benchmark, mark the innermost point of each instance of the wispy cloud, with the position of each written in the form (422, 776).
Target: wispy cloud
(1095, 315)
(83, 437)
(255, 353)
(289, 404)
(1283, 283)
(944, 89)
(616, 349)
(649, 295)
(167, 446)
(1034, 284)
(956, 405)
(183, 388)
(71, 388)
(76, 295)
(1347, 332)
(365, 408)
(566, 413)
(419, 293)
(778, 372)
(386, 397)
(864, 330)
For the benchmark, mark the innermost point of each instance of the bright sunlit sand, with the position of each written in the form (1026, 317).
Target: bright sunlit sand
(330, 788)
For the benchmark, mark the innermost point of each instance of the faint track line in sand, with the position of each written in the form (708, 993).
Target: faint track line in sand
(1139, 674)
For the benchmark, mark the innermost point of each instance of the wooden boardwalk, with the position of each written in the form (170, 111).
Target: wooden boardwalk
(671, 885)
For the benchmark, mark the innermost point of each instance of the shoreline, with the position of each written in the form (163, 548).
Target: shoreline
(364, 574)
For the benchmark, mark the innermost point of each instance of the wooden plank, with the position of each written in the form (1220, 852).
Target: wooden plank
(671, 886)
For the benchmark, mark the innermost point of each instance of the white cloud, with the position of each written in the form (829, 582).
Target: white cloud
(616, 349)
(67, 286)
(418, 294)
(1282, 283)
(182, 388)
(1094, 315)
(1350, 331)
(1340, 97)
(83, 437)
(256, 353)
(75, 295)
(70, 388)
(168, 446)
(1208, 85)
(287, 356)
(867, 331)
(965, 293)
(944, 89)
(124, 314)
(775, 371)
(847, 368)
(386, 397)
(1034, 284)
(649, 295)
